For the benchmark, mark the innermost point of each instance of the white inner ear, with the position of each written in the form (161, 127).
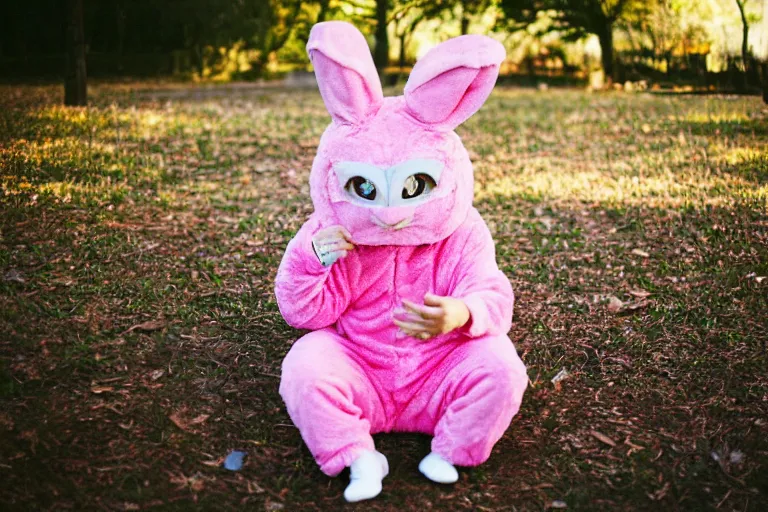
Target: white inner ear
(345, 171)
(401, 172)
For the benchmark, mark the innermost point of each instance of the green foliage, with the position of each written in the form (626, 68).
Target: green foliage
(574, 19)
(257, 25)
(664, 30)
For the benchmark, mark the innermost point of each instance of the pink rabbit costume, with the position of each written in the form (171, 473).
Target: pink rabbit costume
(394, 173)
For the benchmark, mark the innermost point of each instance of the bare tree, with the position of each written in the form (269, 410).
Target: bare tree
(742, 4)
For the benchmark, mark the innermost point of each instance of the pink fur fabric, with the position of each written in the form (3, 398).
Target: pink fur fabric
(356, 374)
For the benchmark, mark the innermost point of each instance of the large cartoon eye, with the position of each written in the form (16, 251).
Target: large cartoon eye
(417, 185)
(362, 188)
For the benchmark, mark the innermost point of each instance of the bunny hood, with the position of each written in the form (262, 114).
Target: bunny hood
(392, 170)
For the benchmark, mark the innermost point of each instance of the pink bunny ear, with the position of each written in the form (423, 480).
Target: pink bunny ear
(345, 71)
(453, 80)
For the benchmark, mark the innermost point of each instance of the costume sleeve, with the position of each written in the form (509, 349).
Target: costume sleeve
(309, 295)
(484, 288)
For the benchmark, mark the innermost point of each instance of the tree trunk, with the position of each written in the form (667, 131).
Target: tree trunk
(401, 60)
(120, 35)
(744, 42)
(75, 92)
(323, 10)
(199, 54)
(745, 34)
(606, 50)
(765, 82)
(405, 39)
(765, 60)
(381, 50)
(464, 19)
(765, 91)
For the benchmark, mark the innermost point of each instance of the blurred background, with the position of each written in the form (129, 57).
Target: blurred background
(717, 45)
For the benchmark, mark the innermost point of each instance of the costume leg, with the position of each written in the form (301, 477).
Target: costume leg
(478, 398)
(330, 399)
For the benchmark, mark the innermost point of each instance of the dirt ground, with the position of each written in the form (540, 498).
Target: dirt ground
(140, 340)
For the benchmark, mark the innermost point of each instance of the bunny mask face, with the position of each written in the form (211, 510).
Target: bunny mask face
(392, 170)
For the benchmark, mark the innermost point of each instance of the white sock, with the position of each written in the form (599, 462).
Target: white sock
(365, 476)
(438, 469)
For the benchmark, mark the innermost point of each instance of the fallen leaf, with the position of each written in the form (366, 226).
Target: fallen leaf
(659, 494)
(199, 419)
(178, 418)
(156, 374)
(602, 438)
(614, 304)
(561, 376)
(6, 421)
(640, 252)
(252, 487)
(14, 276)
(152, 325)
(640, 294)
(179, 421)
(196, 484)
(558, 504)
(633, 306)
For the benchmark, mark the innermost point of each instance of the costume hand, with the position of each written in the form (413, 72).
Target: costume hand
(438, 315)
(332, 243)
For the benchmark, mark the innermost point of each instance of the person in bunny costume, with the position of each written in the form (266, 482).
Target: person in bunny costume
(395, 272)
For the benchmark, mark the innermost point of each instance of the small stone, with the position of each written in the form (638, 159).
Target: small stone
(614, 304)
(14, 276)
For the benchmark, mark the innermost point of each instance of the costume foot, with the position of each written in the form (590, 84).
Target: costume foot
(438, 469)
(365, 476)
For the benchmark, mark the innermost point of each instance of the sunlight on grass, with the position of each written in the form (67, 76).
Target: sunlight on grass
(567, 146)
(738, 156)
(82, 194)
(713, 117)
(665, 189)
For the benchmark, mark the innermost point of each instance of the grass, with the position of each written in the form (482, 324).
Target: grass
(140, 340)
